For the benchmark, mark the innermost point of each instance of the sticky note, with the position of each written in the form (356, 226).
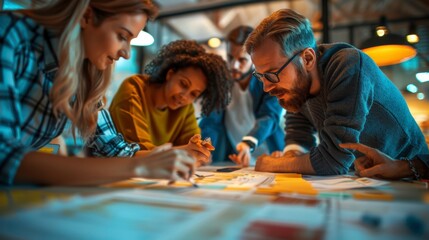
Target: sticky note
(238, 188)
(373, 196)
(288, 175)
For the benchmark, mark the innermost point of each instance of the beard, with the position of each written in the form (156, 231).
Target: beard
(299, 93)
(242, 76)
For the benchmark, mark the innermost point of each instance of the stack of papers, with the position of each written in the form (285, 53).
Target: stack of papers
(344, 182)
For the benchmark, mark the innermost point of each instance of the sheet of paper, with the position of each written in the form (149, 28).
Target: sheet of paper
(341, 182)
(219, 194)
(131, 214)
(277, 221)
(232, 179)
(375, 220)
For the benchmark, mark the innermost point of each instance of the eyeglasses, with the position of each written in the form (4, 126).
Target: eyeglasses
(274, 76)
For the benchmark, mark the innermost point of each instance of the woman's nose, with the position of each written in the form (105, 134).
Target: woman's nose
(186, 98)
(124, 53)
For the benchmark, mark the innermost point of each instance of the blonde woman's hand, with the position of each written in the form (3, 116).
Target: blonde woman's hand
(165, 163)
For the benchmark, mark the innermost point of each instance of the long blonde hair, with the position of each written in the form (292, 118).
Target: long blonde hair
(79, 86)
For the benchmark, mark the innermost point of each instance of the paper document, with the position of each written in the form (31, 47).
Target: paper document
(233, 179)
(132, 214)
(341, 182)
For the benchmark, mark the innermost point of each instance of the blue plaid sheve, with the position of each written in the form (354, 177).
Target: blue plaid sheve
(28, 66)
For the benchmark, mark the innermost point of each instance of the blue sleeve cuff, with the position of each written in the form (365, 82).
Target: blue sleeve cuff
(10, 159)
(112, 146)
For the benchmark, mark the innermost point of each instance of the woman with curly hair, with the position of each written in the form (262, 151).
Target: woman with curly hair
(156, 108)
(55, 65)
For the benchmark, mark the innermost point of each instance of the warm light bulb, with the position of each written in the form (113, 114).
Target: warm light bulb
(412, 38)
(381, 31)
(214, 42)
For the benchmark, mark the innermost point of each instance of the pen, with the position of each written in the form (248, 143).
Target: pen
(191, 172)
(190, 180)
(193, 184)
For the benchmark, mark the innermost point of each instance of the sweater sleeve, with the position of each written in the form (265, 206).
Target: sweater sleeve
(189, 127)
(424, 158)
(349, 96)
(299, 131)
(129, 117)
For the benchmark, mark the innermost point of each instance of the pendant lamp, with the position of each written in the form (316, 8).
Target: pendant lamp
(143, 39)
(387, 48)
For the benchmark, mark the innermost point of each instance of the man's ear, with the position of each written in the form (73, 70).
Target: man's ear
(309, 59)
(86, 18)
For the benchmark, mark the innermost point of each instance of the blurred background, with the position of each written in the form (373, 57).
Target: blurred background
(351, 21)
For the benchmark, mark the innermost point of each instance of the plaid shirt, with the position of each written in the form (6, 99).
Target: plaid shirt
(28, 65)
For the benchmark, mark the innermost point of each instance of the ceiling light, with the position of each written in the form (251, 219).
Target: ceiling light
(412, 88)
(420, 96)
(214, 42)
(381, 31)
(143, 39)
(422, 76)
(387, 48)
(412, 36)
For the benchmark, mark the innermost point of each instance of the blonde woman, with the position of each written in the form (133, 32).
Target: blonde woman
(55, 65)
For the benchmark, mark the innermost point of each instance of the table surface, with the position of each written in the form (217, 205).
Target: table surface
(398, 210)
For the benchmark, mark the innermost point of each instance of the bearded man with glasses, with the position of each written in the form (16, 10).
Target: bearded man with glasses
(333, 93)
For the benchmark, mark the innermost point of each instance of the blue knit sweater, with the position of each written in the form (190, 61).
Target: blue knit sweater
(356, 103)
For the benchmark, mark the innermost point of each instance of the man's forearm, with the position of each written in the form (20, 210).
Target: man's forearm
(297, 164)
(301, 164)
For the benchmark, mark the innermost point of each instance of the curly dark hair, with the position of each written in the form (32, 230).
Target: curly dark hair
(186, 53)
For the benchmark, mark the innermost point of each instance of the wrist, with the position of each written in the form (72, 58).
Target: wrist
(421, 168)
(139, 168)
(403, 169)
(410, 168)
(251, 145)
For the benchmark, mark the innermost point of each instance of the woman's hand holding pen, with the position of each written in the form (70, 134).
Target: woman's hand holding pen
(166, 163)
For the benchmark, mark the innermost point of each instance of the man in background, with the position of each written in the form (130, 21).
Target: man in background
(250, 124)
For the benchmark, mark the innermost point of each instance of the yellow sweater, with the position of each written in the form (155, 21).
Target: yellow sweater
(136, 117)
